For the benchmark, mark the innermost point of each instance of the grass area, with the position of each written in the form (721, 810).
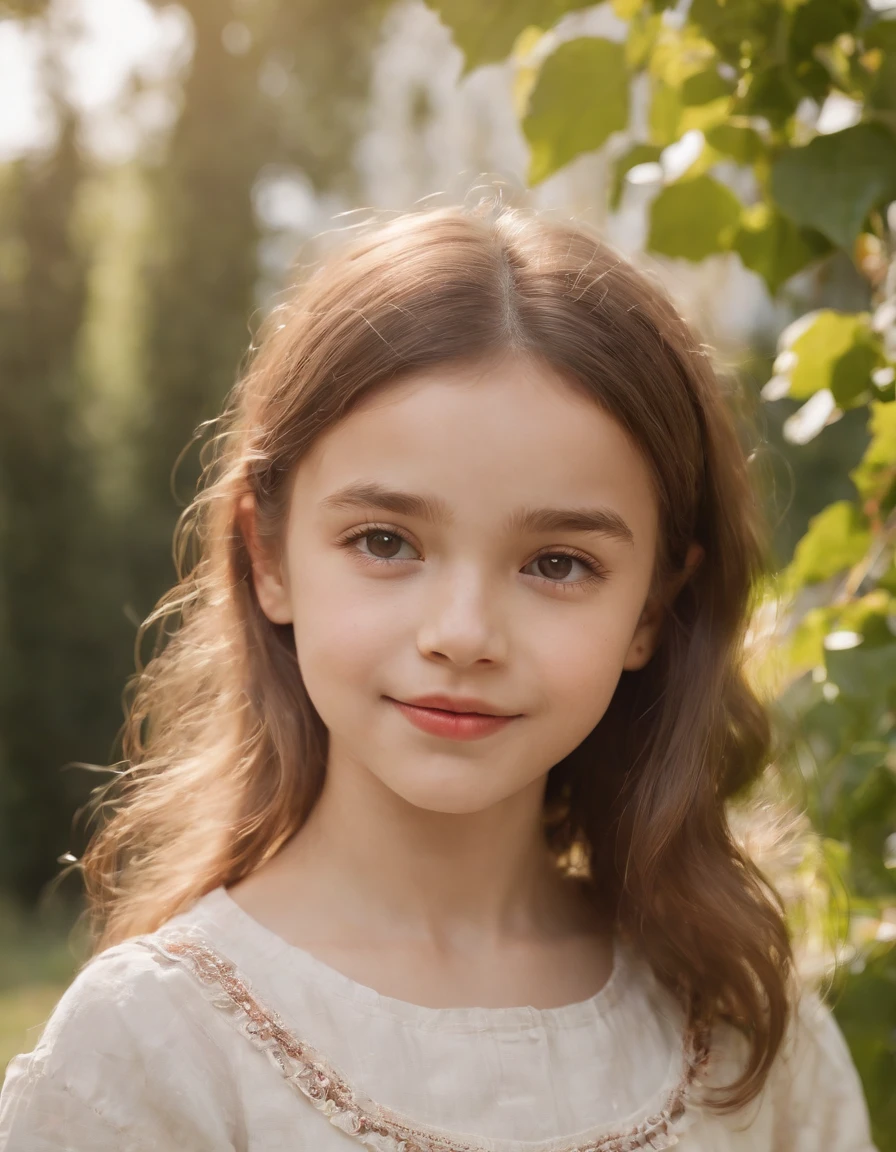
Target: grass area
(39, 954)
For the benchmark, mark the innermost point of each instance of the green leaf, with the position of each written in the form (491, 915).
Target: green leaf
(882, 93)
(486, 33)
(868, 786)
(805, 648)
(687, 89)
(772, 93)
(665, 113)
(579, 99)
(867, 616)
(643, 32)
(836, 539)
(742, 143)
(819, 22)
(738, 28)
(703, 117)
(704, 88)
(773, 246)
(881, 34)
(862, 673)
(875, 475)
(693, 219)
(814, 78)
(637, 154)
(838, 351)
(833, 182)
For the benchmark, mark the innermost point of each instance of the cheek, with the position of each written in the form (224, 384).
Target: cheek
(343, 632)
(577, 663)
(580, 662)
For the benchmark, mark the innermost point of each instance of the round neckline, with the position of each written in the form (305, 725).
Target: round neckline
(576, 1014)
(666, 1112)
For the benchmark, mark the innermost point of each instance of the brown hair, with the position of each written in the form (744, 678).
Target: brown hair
(224, 751)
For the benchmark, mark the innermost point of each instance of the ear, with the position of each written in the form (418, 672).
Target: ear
(268, 577)
(647, 634)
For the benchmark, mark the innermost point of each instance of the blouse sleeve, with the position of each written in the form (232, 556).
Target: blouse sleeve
(129, 1062)
(819, 1102)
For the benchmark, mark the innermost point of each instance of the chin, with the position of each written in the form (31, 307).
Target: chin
(447, 797)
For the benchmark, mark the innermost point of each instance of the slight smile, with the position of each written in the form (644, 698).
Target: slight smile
(452, 725)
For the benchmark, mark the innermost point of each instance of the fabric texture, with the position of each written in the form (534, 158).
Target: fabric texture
(213, 1033)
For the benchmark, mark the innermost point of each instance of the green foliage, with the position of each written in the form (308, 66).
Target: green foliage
(834, 350)
(486, 33)
(750, 76)
(837, 539)
(693, 218)
(737, 140)
(588, 74)
(833, 182)
(875, 476)
(773, 246)
(739, 29)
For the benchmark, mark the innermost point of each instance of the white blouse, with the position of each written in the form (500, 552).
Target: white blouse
(214, 1034)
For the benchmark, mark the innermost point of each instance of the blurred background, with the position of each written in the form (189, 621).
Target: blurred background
(164, 167)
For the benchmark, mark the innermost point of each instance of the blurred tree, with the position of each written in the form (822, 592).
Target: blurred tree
(271, 83)
(86, 506)
(44, 494)
(200, 270)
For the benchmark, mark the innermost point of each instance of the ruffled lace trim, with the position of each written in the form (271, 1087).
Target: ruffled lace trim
(371, 1124)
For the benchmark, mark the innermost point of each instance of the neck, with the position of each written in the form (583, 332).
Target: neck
(369, 863)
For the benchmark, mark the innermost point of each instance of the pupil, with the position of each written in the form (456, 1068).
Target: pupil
(389, 537)
(555, 560)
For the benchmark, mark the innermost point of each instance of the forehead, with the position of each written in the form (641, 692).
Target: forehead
(486, 439)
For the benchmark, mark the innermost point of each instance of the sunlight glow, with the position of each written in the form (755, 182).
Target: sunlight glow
(106, 45)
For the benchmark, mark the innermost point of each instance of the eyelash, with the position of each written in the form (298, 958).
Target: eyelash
(598, 574)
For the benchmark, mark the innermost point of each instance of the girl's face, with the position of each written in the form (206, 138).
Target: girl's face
(514, 568)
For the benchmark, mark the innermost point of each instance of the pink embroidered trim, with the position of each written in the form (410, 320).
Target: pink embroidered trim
(377, 1127)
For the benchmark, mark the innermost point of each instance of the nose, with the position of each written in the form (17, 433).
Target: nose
(462, 621)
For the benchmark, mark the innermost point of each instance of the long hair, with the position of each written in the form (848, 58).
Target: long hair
(223, 752)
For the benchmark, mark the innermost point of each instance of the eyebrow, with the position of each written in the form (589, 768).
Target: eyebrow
(433, 509)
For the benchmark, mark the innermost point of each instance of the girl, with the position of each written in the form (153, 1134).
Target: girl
(423, 843)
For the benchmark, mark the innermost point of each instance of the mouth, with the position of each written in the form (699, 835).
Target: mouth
(449, 724)
(457, 706)
(452, 711)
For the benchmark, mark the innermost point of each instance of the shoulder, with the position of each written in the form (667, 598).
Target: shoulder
(813, 1099)
(131, 1047)
(816, 1079)
(814, 1040)
(125, 995)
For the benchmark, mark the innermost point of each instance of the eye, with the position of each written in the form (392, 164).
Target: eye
(558, 564)
(384, 547)
(384, 544)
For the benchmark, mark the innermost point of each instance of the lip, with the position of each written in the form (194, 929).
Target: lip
(452, 725)
(460, 704)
